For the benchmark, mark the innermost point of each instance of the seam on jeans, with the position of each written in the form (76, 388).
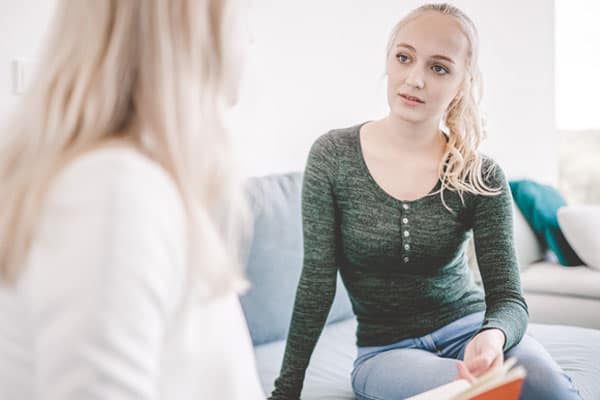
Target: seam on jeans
(360, 393)
(429, 344)
(572, 384)
(366, 396)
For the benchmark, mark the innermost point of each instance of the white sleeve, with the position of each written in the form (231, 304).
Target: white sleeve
(105, 275)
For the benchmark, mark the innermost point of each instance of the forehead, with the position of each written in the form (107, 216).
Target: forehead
(433, 33)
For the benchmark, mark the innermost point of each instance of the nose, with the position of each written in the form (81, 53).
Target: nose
(415, 77)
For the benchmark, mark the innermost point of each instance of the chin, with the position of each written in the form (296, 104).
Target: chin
(408, 116)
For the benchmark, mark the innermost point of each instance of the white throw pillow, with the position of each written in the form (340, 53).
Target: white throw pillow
(581, 226)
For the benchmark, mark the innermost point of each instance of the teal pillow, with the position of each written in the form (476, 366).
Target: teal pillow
(539, 205)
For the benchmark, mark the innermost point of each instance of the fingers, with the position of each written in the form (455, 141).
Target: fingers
(483, 363)
(498, 361)
(463, 372)
(478, 364)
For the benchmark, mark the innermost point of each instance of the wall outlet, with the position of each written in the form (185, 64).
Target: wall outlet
(20, 75)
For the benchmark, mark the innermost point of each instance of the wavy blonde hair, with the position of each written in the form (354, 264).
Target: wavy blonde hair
(150, 73)
(462, 168)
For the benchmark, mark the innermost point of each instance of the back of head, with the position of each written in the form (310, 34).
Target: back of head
(150, 73)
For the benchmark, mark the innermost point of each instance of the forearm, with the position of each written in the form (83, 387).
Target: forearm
(506, 308)
(313, 301)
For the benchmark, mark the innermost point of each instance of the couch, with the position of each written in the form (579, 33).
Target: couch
(555, 294)
(274, 262)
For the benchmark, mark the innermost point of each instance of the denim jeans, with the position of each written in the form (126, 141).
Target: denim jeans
(414, 365)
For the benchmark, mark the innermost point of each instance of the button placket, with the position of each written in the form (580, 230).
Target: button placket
(405, 233)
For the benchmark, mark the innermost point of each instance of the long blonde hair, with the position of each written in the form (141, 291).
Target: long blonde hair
(462, 168)
(150, 72)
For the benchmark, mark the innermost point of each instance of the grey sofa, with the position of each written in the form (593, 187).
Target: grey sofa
(274, 262)
(557, 294)
(554, 294)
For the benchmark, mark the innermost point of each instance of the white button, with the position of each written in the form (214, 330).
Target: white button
(405, 220)
(406, 259)
(406, 233)
(407, 246)
(405, 206)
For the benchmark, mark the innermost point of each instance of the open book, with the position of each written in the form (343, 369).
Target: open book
(502, 383)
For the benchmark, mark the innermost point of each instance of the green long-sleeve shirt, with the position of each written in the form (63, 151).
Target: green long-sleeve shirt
(403, 262)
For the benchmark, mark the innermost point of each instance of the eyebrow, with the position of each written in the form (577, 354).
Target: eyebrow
(437, 56)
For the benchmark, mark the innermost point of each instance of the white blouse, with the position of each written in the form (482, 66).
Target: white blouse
(100, 311)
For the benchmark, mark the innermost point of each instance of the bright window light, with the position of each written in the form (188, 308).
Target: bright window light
(577, 64)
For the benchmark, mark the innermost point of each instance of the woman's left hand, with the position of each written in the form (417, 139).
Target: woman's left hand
(484, 352)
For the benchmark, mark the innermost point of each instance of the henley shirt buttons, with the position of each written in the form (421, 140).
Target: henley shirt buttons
(406, 234)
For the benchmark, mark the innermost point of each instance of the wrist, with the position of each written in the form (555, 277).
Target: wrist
(496, 336)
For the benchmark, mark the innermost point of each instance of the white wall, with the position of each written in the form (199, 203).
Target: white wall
(316, 65)
(22, 26)
(577, 64)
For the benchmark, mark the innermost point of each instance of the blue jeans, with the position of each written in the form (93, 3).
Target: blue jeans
(412, 366)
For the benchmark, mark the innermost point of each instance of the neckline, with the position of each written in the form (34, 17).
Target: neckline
(381, 192)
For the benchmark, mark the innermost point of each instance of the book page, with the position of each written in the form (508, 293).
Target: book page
(444, 392)
(462, 389)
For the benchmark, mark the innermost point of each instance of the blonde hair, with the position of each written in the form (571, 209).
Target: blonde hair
(148, 72)
(462, 169)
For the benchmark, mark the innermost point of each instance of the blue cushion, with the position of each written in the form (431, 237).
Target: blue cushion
(539, 205)
(274, 259)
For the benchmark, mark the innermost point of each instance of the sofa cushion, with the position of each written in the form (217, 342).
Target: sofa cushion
(274, 259)
(563, 310)
(550, 278)
(580, 225)
(539, 204)
(576, 350)
(527, 245)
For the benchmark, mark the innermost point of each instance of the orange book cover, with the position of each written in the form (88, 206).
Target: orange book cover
(503, 383)
(507, 391)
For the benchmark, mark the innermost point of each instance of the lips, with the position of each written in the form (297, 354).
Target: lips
(412, 98)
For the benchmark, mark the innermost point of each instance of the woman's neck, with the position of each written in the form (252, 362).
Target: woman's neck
(412, 137)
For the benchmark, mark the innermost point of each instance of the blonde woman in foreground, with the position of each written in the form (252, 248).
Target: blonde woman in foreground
(118, 207)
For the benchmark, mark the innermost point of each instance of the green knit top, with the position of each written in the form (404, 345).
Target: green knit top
(403, 263)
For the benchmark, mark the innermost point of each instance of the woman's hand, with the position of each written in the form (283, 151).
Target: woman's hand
(482, 353)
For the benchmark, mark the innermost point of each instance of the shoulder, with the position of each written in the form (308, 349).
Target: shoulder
(120, 176)
(493, 176)
(114, 166)
(111, 211)
(116, 191)
(492, 172)
(335, 143)
(498, 202)
(336, 140)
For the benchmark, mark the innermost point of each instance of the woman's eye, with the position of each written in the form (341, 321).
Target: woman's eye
(438, 69)
(403, 58)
